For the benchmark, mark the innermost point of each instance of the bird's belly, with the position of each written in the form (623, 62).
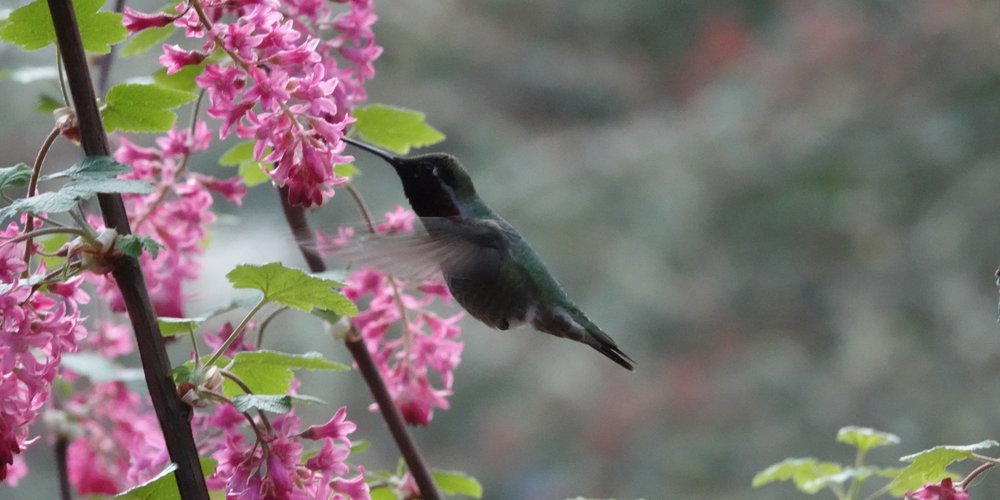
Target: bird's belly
(489, 302)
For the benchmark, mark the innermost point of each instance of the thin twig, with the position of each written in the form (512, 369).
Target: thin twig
(62, 445)
(29, 223)
(975, 473)
(366, 365)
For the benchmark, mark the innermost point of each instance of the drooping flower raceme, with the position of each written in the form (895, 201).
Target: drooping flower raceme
(285, 83)
(417, 365)
(177, 214)
(36, 329)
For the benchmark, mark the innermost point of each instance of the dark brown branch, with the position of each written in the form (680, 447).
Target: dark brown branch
(174, 415)
(355, 344)
(62, 445)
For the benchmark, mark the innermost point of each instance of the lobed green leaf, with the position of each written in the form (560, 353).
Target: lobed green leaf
(270, 372)
(15, 177)
(178, 326)
(801, 471)
(134, 244)
(394, 128)
(137, 107)
(70, 194)
(146, 39)
(864, 438)
(457, 483)
(292, 288)
(930, 466)
(30, 26)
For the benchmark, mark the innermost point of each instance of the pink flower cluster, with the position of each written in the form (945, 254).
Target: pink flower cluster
(36, 328)
(944, 490)
(282, 85)
(428, 347)
(120, 443)
(176, 214)
(274, 467)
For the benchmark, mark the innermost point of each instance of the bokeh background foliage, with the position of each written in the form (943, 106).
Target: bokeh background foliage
(784, 210)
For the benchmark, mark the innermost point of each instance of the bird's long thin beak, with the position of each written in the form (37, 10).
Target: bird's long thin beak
(385, 155)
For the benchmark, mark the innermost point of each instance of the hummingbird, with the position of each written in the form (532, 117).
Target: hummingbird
(491, 271)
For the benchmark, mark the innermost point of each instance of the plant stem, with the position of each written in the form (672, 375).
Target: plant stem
(975, 473)
(29, 223)
(366, 366)
(237, 333)
(62, 445)
(172, 413)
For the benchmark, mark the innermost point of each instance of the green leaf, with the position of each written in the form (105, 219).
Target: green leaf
(136, 107)
(270, 403)
(393, 128)
(307, 361)
(92, 167)
(30, 26)
(864, 438)
(241, 152)
(848, 474)
(345, 170)
(251, 170)
(292, 288)
(143, 40)
(72, 193)
(253, 173)
(800, 470)
(178, 326)
(47, 104)
(16, 176)
(133, 245)
(930, 466)
(360, 446)
(457, 483)
(164, 486)
(99, 369)
(270, 372)
(382, 493)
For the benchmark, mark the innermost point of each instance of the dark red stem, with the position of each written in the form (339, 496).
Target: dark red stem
(174, 416)
(355, 344)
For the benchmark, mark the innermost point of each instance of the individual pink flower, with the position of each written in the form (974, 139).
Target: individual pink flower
(944, 490)
(336, 427)
(175, 58)
(136, 21)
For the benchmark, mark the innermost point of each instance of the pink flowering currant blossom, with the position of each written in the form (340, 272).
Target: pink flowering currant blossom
(177, 214)
(36, 329)
(417, 366)
(120, 444)
(944, 490)
(286, 84)
(273, 469)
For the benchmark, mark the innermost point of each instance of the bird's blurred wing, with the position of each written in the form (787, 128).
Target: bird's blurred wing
(441, 243)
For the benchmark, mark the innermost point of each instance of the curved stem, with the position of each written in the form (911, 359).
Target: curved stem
(237, 333)
(263, 325)
(366, 365)
(975, 473)
(29, 223)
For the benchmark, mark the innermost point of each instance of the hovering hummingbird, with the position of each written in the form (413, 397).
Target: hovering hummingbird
(490, 269)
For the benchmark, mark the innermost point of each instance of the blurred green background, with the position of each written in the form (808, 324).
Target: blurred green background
(780, 209)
